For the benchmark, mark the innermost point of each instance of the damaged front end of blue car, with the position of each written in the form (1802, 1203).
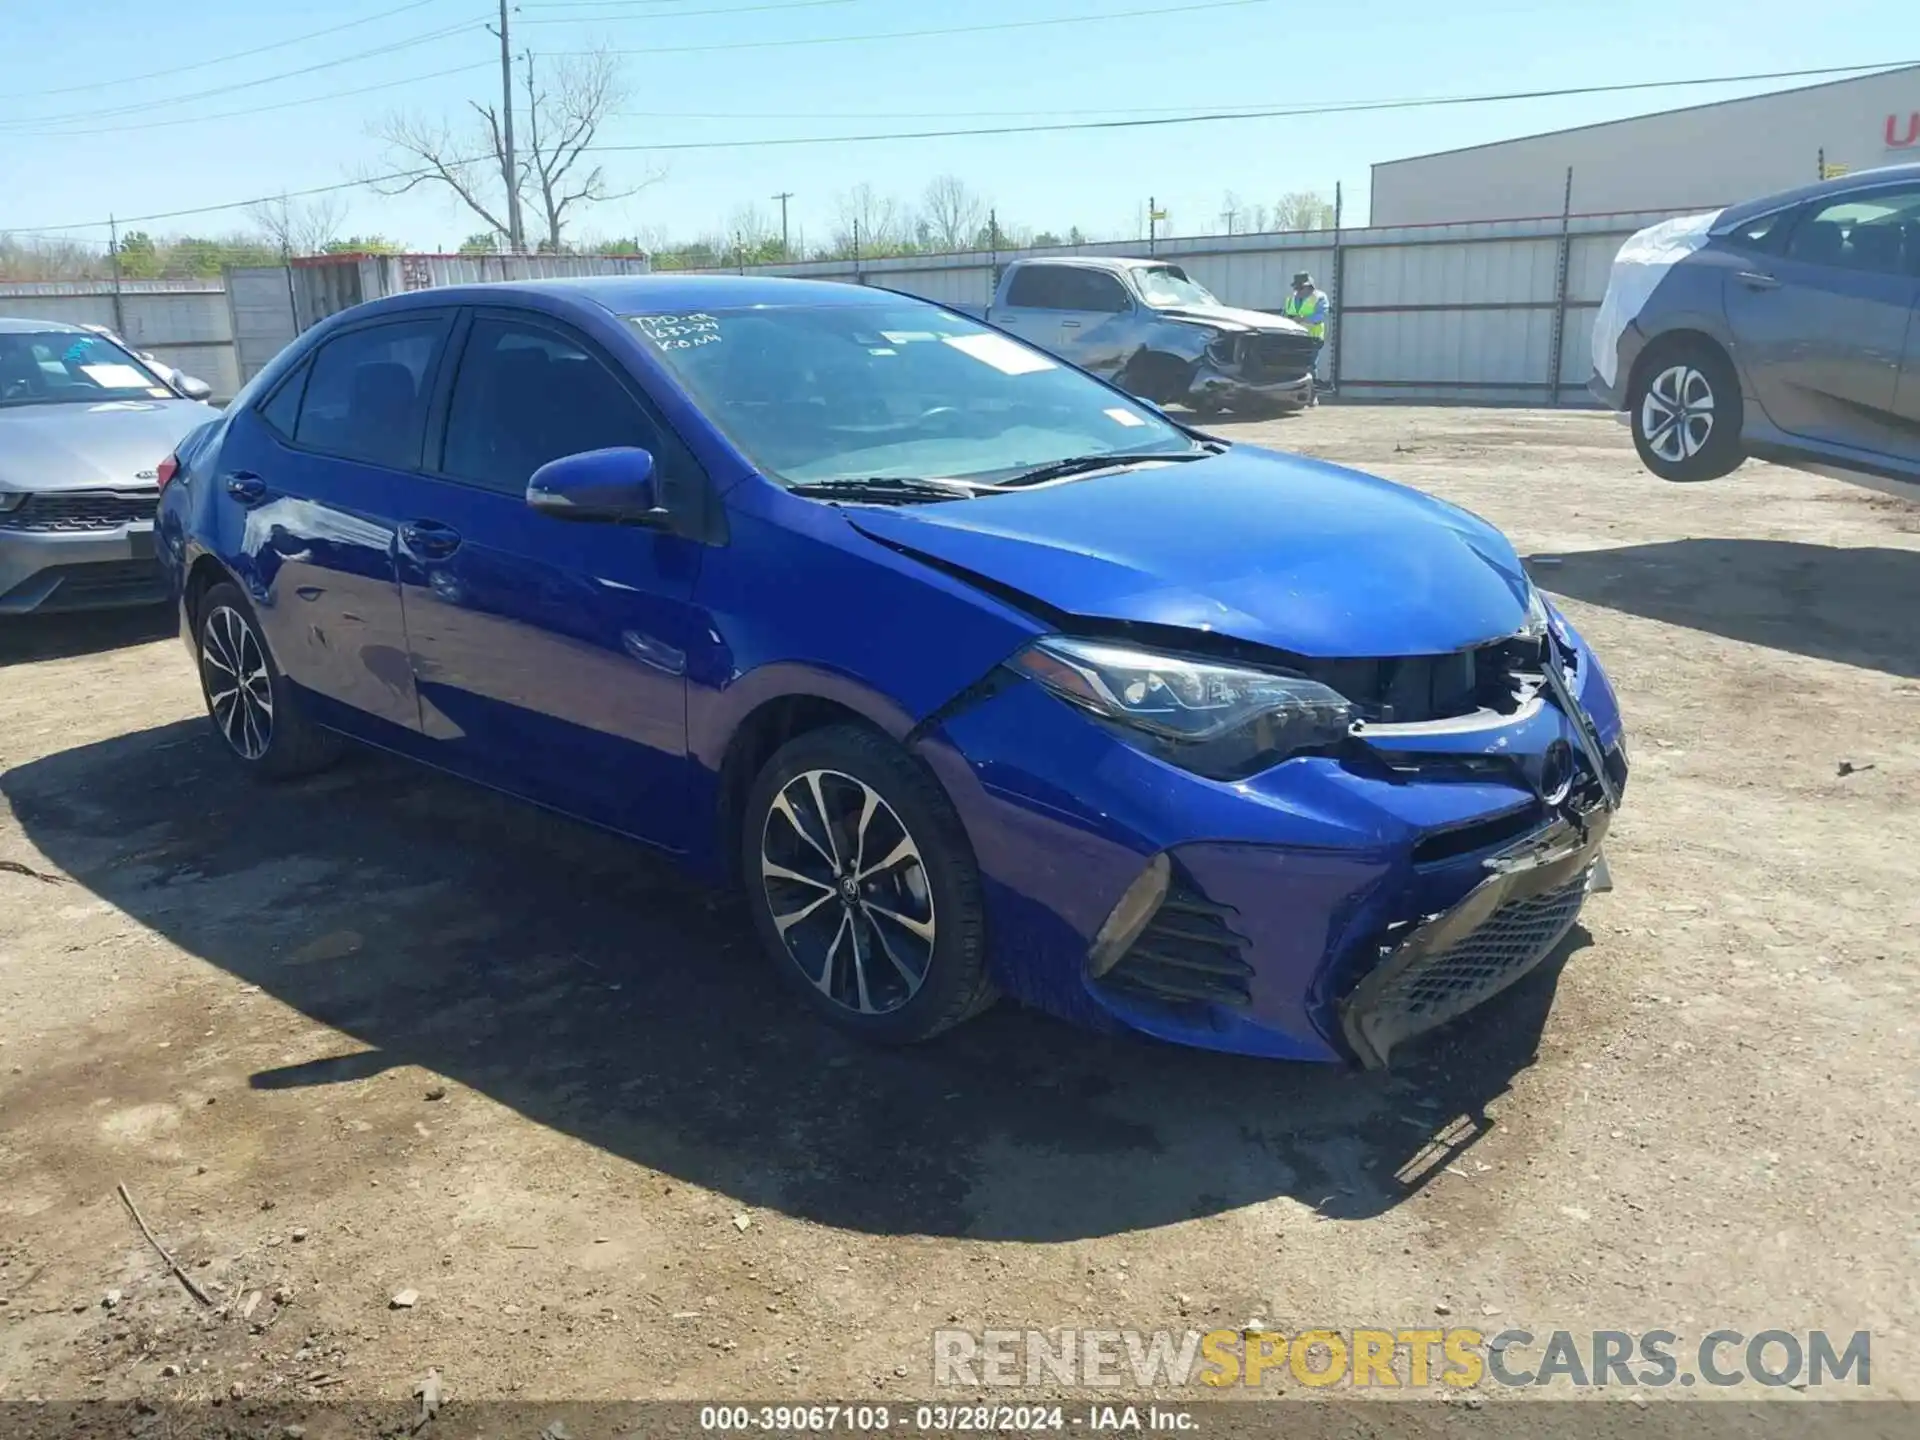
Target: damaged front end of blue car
(1224, 844)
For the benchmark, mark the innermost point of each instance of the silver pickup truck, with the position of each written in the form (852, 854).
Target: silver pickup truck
(1149, 328)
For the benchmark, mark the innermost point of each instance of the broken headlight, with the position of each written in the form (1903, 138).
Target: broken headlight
(1217, 719)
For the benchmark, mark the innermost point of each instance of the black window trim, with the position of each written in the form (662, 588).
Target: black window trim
(446, 315)
(703, 519)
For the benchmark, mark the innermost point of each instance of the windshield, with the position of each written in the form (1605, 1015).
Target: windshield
(54, 367)
(814, 393)
(1164, 285)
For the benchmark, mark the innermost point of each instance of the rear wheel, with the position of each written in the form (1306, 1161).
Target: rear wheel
(863, 887)
(1685, 407)
(257, 713)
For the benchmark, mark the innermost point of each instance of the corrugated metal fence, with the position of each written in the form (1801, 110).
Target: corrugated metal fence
(1495, 312)
(183, 322)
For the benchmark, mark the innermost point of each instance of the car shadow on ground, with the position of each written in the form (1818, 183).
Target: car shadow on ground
(1832, 603)
(575, 978)
(25, 638)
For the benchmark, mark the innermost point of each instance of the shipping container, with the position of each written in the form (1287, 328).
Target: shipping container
(271, 304)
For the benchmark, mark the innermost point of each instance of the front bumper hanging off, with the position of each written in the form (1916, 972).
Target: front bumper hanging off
(1506, 925)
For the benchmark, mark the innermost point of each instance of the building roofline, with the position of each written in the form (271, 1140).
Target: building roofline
(1912, 69)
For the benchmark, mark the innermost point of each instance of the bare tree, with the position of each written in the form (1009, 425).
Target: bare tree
(951, 212)
(565, 107)
(435, 155)
(865, 215)
(1303, 210)
(562, 120)
(299, 227)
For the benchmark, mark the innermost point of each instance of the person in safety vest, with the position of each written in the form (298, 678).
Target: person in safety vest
(1308, 305)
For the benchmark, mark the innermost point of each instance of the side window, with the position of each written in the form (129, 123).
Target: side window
(1877, 232)
(366, 393)
(524, 396)
(1762, 234)
(1041, 287)
(282, 408)
(1100, 291)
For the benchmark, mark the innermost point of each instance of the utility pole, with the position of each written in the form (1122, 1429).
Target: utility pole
(783, 197)
(509, 170)
(113, 257)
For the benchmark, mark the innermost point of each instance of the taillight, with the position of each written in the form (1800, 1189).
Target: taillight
(169, 468)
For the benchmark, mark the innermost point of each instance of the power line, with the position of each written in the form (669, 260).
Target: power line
(1324, 108)
(1156, 11)
(173, 70)
(24, 123)
(253, 110)
(654, 15)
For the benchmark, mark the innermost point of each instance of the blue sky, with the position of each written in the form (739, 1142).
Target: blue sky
(192, 134)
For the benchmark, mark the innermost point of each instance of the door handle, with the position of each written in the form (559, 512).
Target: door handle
(1758, 280)
(1069, 324)
(429, 539)
(246, 487)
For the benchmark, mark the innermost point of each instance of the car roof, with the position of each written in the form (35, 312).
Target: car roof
(653, 294)
(1098, 262)
(1746, 210)
(11, 325)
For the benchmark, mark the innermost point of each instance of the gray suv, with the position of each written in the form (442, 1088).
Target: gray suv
(84, 426)
(1780, 328)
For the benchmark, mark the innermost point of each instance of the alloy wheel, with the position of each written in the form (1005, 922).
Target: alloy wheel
(1676, 416)
(233, 665)
(848, 891)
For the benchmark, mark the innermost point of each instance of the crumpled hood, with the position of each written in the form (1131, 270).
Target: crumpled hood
(88, 447)
(1227, 317)
(1272, 549)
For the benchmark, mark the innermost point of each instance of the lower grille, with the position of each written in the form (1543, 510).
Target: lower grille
(1437, 987)
(1276, 357)
(102, 585)
(71, 510)
(1189, 955)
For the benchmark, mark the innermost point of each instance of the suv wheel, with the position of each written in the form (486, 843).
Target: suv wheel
(1684, 406)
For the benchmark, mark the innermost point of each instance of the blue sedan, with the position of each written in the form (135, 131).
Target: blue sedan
(976, 676)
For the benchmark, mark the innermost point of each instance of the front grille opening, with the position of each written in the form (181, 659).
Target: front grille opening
(66, 511)
(1189, 956)
(1499, 677)
(1477, 835)
(1276, 357)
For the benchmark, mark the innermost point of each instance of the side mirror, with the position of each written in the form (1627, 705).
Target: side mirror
(608, 485)
(192, 386)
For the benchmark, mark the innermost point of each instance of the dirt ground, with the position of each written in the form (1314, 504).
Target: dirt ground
(378, 1032)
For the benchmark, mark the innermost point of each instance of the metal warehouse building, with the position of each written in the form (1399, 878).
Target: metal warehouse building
(1699, 158)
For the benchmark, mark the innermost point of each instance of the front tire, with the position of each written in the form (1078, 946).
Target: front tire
(1685, 409)
(256, 712)
(863, 887)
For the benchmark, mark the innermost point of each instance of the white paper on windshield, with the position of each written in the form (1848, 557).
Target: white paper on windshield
(1643, 262)
(906, 337)
(1124, 417)
(1001, 353)
(115, 377)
